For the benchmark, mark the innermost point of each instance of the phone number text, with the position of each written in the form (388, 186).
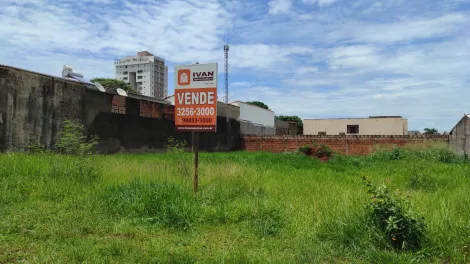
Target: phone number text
(200, 111)
(196, 120)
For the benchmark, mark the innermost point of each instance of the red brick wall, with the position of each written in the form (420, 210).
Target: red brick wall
(350, 145)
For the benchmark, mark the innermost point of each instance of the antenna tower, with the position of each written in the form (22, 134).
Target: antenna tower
(226, 48)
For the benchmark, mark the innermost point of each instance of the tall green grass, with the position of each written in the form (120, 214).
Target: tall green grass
(251, 208)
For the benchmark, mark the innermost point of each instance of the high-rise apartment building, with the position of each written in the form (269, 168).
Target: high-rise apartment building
(145, 72)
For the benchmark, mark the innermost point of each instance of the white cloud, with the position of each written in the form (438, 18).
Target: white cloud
(176, 30)
(409, 29)
(262, 56)
(303, 70)
(346, 58)
(320, 2)
(279, 6)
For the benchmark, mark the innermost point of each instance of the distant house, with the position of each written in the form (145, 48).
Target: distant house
(374, 125)
(459, 136)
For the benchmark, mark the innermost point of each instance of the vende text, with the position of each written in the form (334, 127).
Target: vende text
(196, 98)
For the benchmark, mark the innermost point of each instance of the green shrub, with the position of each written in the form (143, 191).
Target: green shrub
(396, 154)
(307, 150)
(321, 152)
(72, 141)
(394, 217)
(174, 145)
(447, 156)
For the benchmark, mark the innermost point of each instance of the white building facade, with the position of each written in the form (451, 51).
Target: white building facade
(145, 72)
(255, 120)
(374, 125)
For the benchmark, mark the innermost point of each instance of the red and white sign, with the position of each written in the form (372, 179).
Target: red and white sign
(196, 97)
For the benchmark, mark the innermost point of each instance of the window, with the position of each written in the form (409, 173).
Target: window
(124, 72)
(322, 133)
(139, 77)
(139, 71)
(124, 78)
(352, 129)
(126, 67)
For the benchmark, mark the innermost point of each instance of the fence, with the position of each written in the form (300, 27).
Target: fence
(349, 145)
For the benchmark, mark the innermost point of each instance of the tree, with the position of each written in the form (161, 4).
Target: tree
(109, 83)
(430, 131)
(259, 104)
(296, 119)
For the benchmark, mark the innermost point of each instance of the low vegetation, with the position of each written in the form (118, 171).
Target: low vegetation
(321, 152)
(397, 206)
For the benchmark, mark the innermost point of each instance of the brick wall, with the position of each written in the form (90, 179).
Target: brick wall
(350, 145)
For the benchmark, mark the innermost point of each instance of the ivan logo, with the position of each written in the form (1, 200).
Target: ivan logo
(184, 77)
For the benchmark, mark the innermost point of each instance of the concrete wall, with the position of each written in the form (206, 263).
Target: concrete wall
(349, 145)
(367, 126)
(285, 128)
(233, 111)
(247, 128)
(256, 115)
(33, 106)
(459, 138)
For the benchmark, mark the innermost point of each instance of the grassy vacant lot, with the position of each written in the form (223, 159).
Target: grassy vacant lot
(251, 208)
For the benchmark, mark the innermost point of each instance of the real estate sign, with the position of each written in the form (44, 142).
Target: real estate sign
(196, 97)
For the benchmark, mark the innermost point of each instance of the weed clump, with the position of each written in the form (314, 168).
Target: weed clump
(72, 141)
(321, 152)
(177, 147)
(421, 180)
(396, 154)
(403, 228)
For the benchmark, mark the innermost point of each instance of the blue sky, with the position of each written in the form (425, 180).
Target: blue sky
(311, 58)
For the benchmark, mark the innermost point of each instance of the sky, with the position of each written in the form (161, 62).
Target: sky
(310, 58)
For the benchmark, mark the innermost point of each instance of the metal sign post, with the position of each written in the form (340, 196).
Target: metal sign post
(196, 160)
(196, 103)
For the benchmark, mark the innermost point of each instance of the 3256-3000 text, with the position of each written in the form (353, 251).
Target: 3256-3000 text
(200, 111)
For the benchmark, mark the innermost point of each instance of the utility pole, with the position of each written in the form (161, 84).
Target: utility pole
(226, 49)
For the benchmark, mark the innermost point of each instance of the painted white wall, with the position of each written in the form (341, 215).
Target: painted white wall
(367, 126)
(255, 115)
